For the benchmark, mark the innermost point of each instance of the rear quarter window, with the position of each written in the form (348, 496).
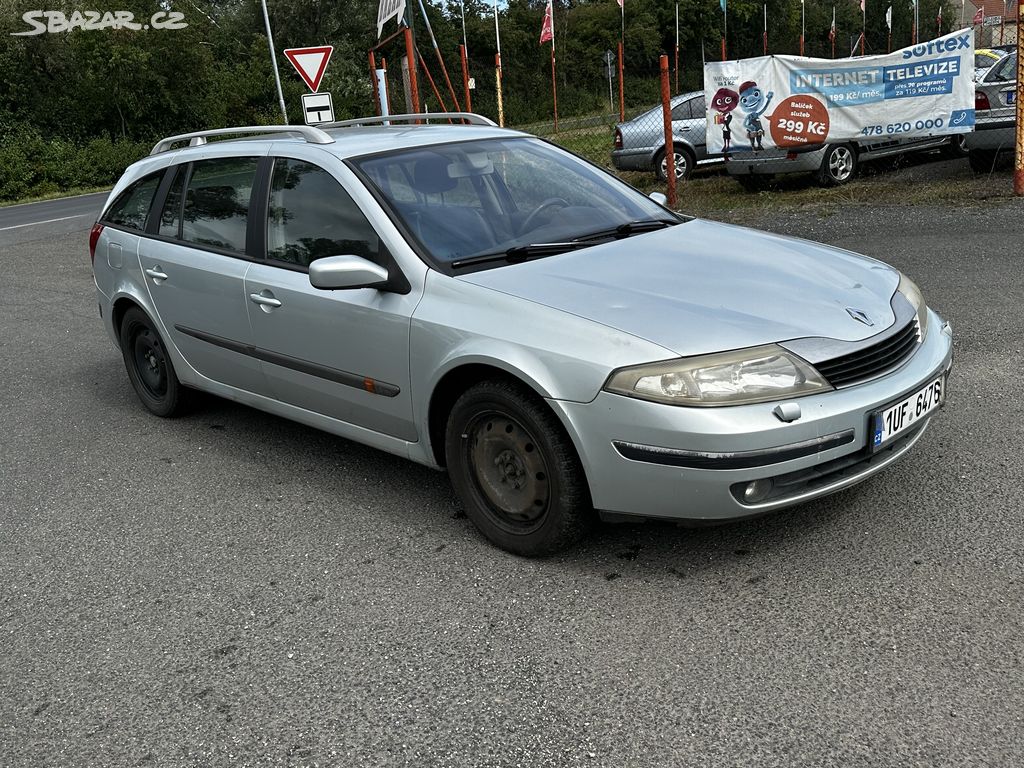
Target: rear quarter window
(131, 208)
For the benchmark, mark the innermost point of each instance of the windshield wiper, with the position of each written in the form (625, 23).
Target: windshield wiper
(631, 228)
(520, 253)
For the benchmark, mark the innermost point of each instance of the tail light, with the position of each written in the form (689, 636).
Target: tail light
(981, 101)
(618, 139)
(94, 236)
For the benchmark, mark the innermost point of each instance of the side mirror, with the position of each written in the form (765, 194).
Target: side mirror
(659, 197)
(340, 272)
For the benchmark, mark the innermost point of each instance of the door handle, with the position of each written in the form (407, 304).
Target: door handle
(157, 273)
(264, 301)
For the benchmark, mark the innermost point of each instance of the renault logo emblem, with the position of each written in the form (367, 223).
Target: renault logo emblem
(859, 316)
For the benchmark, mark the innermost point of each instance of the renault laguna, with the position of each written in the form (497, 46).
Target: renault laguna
(476, 299)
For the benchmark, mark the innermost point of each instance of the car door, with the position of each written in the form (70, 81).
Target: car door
(194, 262)
(340, 353)
(689, 124)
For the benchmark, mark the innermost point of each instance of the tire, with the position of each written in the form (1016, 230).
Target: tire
(957, 146)
(684, 164)
(149, 367)
(981, 160)
(516, 470)
(838, 165)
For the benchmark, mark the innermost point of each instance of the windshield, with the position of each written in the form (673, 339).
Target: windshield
(472, 198)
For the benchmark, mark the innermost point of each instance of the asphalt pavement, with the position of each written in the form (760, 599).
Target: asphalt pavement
(22, 223)
(231, 589)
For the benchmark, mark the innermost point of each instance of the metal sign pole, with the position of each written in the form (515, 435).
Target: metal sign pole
(273, 60)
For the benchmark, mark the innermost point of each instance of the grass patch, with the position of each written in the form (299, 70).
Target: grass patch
(75, 192)
(715, 192)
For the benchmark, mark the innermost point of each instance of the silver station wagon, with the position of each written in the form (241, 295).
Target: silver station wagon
(477, 299)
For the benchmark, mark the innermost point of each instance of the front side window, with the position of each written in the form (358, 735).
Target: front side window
(131, 208)
(471, 198)
(311, 216)
(217, 202)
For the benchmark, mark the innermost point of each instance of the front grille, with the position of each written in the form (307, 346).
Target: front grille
(873, 361)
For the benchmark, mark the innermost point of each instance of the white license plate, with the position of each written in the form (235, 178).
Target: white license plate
(890, 422)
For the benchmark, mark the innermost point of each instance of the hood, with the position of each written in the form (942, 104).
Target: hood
(704, 287)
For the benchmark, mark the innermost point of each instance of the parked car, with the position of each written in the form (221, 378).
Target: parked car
(837, 163)
(639, 144)
(985, 59)
(476, 299)
(995, 115)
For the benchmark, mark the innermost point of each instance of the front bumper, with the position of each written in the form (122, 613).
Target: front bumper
(821, 452)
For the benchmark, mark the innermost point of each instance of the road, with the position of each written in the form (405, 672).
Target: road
(231, 589)
(22, 223)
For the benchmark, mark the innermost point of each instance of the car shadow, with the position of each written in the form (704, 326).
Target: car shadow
(419, 501)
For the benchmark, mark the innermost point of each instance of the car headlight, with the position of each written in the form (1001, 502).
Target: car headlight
(753, 375)
(912, 294)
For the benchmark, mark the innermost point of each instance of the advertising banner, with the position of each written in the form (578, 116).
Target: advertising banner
(789, 102)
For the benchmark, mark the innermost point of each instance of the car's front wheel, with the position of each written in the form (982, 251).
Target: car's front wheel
(149, 367)
(684, 164)
(516, 470)
(838, 165)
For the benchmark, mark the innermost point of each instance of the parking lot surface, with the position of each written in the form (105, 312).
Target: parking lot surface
(234, 589)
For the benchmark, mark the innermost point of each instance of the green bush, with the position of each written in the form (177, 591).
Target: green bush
(31, 165)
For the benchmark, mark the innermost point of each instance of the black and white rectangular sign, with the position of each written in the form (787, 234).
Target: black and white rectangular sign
(317, 108)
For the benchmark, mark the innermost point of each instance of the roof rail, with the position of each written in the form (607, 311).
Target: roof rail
(471, 118)
(310, 133)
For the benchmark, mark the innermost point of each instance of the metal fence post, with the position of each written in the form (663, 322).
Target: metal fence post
(465, 78)
(670, 150)
(1018, 166)
(373, 83)
(622, 89)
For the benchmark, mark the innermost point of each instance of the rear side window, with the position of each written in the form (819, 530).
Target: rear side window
(689, 109)
(1007, 70)
(312, 216)
(131, 208)
(217, 202)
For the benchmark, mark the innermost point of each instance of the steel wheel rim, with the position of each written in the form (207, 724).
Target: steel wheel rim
(150, 362)
(840, 163)
(509, 471)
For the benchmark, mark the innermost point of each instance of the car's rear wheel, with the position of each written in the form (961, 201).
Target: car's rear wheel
(516, 470)
(982, 160)
(149, 367)
(838, 165)
(684, 164)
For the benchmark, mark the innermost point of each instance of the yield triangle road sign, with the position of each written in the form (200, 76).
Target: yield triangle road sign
(310, 63)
